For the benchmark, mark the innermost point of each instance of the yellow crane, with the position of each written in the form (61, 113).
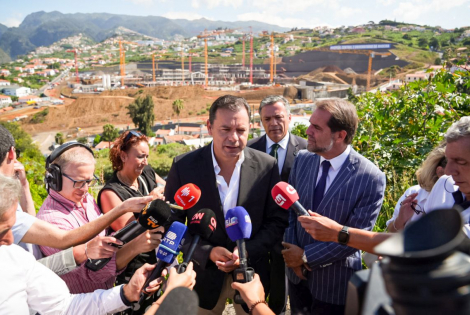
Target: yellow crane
(369, 53)
(122, 59)
(205, 54)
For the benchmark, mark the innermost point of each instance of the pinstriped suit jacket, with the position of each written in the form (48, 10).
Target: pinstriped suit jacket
(353, 199)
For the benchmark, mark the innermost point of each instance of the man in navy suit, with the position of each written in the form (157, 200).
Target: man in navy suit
(284, 146)
(337, 182)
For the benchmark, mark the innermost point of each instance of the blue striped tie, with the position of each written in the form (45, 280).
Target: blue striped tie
(320, 189)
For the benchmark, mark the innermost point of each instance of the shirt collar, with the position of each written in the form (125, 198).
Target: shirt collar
(66, 202)
(283, 143)
(338, 161)
(241, 158)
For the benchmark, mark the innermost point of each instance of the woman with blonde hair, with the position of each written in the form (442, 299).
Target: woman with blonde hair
(410, 206)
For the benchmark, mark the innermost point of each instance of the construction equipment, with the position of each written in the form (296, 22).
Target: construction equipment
(205, 55)
(251, 55)
(75, 52)
(122, 59)
(369, 53)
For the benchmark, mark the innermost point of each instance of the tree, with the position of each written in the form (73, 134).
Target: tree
(82, 140)
(407, 36)
(423, 42)
(141, 112)
(438, 61)
(434, 42)
(97, 140)
(299, 130)
(178, 106)
(109, 133)
(59, 138)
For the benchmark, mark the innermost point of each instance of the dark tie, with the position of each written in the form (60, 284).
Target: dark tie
(458, 198)
(274, 149)
(320, 188)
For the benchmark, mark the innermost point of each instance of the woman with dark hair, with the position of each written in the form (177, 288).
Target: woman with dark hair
(132, 177)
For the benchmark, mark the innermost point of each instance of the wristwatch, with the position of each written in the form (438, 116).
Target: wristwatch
(343, 236)
(304, 258)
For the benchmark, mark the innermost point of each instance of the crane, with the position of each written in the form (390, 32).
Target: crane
(251, 55)
(122, 59)
(272, 67)
(75, 52)
(369, 53)
(205, 54)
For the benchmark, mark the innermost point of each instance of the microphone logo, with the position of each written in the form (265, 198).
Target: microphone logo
(231, 221)
(171, 235)
(280, 200)
(198, 216)
(291, 190)
(151, 223)
(185, 192)
(213, 224)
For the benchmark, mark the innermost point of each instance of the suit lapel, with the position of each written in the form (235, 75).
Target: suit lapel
(344, 174)
(247, 175)
(292, 151)
(260, 145)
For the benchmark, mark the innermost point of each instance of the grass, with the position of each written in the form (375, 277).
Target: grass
(413, 54)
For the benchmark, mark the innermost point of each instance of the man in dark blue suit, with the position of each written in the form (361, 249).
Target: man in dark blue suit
(284, 146)
(337, 182)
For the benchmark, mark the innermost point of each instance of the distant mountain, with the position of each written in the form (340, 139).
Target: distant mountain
(4, 58)
(45, 28)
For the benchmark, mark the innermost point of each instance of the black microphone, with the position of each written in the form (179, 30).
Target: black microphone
(155, 214)
(172, 304)
(202, 225)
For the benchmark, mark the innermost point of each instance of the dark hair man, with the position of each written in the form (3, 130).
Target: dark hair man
(335, 181)
(284, 147)
(229, 174)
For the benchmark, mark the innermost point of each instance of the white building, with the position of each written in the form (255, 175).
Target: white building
(4, 82)
(5, 100)
(18, 91)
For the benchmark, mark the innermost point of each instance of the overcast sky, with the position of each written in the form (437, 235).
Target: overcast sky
(288, 13)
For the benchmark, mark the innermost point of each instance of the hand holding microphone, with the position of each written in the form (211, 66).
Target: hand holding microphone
(286, 197)
(238, 226)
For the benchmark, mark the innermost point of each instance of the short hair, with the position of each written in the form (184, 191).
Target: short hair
(426, 173)
(119, 146)
(343, 116)
(10, 192)
(230, 102)
(6, 142)
(459, 129)
(272, 99)
(78, 155)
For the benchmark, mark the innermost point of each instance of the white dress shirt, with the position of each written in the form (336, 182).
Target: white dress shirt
(228, 193)
(441, 198)
(281, 151)
(421, 199)
(28, 284)
(336, 164)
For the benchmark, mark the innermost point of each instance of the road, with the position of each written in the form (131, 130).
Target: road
(44, 141)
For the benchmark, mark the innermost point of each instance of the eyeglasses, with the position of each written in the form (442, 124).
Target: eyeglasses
(417, 209)
(81, 183)
(130, 134)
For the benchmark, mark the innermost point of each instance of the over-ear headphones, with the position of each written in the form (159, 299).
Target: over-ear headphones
(53, 177)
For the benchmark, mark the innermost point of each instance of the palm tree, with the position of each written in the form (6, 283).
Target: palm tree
(178, 106)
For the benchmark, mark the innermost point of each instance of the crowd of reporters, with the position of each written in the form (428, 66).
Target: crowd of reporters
(90, 268)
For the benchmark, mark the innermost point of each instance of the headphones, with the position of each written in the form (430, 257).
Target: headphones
(53, 177)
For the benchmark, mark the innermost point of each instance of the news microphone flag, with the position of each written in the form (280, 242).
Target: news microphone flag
(286, 197)
(187, 196)
(202, 225)
(167, 251)
(238, 224)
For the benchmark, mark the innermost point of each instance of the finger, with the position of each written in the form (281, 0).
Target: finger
(110, 239)
(108, 248)
(189, 268)
(286, 245)
(313, 214)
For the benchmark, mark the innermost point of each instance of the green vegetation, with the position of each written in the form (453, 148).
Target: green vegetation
(141, 112)
(178, 106)
(39, 117)
(109, 133)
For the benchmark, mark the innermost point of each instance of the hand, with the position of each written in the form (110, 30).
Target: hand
(406, 211)
(157, 193)
(292, 255)
(136, 204)
(252, 291)
(319, 227)
(20, 173)
(99, 247)
(298, 272)
(224, 259)
(148, 240)
(186, 279)
(134, 287)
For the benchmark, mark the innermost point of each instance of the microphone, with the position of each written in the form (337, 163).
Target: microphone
(155, 213)
(202, 225)
(238, 226)
(172, 304)
(286, 197)
(186, 197)
(166, 254)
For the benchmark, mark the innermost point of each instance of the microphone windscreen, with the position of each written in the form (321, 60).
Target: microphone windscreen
(187, 196)
(238, 224)
(172, 242)
(203, 223)
(155, 214)
(179, 301)
(284, 195)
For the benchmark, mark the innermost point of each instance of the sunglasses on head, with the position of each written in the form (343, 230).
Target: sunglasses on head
(131, 134)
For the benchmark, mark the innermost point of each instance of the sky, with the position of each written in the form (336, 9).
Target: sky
(287, 13)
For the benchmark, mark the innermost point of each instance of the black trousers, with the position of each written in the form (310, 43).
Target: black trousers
(277, 288)
(302, 302)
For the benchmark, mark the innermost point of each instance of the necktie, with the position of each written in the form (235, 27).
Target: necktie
(320, 189)
(458, 198)
(274, 149)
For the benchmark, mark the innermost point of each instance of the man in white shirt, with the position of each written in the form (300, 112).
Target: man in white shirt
(28, 284)
(284, 146)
